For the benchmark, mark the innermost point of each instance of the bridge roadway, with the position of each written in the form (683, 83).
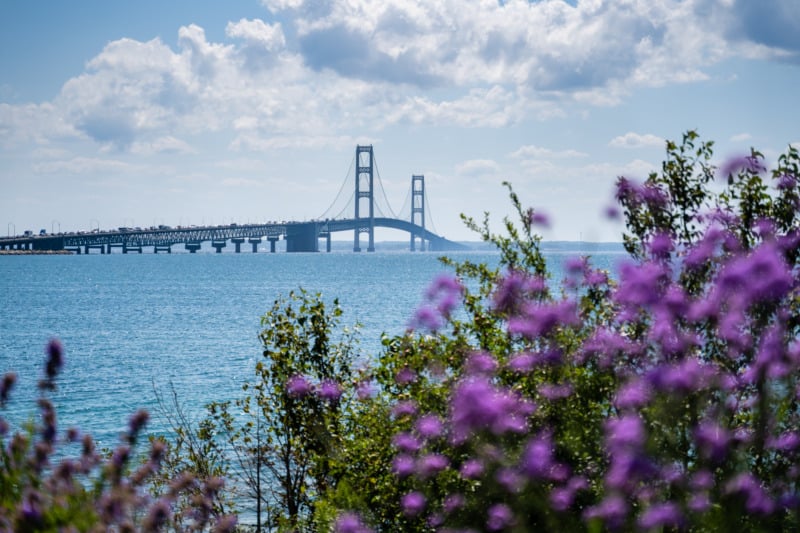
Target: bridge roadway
(299, 237)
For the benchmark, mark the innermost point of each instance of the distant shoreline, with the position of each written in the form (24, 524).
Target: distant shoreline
(35, 252)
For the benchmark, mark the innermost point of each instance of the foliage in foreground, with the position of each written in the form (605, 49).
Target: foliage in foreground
(667, 399)
(42, 488)
(664, 400)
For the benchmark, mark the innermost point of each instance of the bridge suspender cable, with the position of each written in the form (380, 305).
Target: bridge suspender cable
(346, 180)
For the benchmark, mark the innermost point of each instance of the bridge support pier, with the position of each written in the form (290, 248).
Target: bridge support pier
(163, 248)
(88, 247)
(328, 242)
(272, 241)
(219, 245)
(302, 237)
(192, 247)
(128, 248)
(238, 241)
(255, 243)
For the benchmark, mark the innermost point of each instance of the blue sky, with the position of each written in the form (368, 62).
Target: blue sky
(198, 111)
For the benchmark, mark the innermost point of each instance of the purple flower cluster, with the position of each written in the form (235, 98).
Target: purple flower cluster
(692, 394)
(56, 492)
(441, 299)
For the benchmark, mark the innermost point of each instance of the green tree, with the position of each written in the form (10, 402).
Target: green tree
(283, 435)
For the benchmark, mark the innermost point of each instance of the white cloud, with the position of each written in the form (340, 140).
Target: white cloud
(166, 144)
(636, 140)
(327, 68)
(82, 166)
(741, 137)
(539, 152)
(478, 167)
(241, 182)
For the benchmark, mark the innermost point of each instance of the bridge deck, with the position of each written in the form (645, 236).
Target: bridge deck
(299, 236)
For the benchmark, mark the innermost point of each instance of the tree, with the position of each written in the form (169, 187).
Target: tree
(283, 434)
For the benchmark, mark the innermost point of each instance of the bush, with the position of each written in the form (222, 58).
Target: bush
(44, 489)
(665, 399)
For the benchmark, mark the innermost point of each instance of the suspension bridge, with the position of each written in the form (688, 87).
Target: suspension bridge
(360, 212)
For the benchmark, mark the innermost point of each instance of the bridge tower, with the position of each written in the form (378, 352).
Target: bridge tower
(364, 189)
(418, 207)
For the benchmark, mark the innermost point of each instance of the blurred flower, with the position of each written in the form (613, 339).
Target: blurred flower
(413, 503)
(499, 517)
(477, 405)
(431, 464)
(350, 523)
(298, 386)
(329, 390)
(733, 165)
(661, 515)
(430, 426)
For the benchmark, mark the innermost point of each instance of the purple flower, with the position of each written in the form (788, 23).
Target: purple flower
(364, 390)
(786, 182)
(759, 277)
(413, 503)
(157, 516)
(785, 442)
(756, 499)
(404, 408)
(699, 503)
(554, 392)
(55, 358)
(9, 379)
(537, 319)
(298, 386)
(640, 284)
(515, 288)
(499, 516)
(660, 246)
(625, 432)
(472, 469)
(453, 502)
(350, 523)
(329, 390)
(442, 297)
(31, 509)
(430, 426)
(702, 480)
(403, 465)
(537, 218)
(510, 479)
(405, 376)
(561, 498)
(659, 515)
(427, 318)
(611, 212)
(686, 376)
(736, 164)
(538, 458)
(613, 509)
(633, 395)
(431, 464)
(481, 363)
(137, 421)
(595, 278)
(477, 405)
(406, 442)
(522, 363)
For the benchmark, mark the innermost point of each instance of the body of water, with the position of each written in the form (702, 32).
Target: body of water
(129, 322)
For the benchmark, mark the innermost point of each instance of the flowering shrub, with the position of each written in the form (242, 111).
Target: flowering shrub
(665, 399)
(43, 489)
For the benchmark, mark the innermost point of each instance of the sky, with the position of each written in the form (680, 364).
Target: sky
(205, 112)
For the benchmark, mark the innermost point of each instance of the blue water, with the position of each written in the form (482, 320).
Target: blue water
(132, 322)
